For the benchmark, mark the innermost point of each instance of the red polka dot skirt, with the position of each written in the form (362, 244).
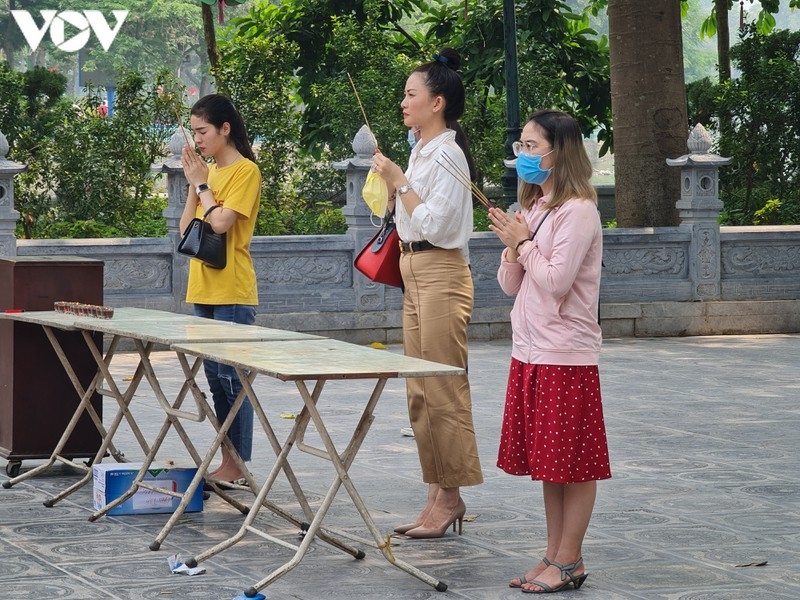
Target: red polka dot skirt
(553, 428)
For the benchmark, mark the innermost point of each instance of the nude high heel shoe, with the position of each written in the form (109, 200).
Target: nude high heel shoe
(457, 514)
(406, 528)
(432, 492)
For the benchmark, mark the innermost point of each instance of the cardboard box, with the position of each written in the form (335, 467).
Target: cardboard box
(112, 480)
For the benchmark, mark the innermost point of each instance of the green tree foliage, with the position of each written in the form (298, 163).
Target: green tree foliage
(378, 74)
(765, 19)
(762, 108)
(257, 75)
(165, 34)
(378, 43)
(89, 175)
(287, 69)
(157, 34)
(33, 106)
(764, 140)
(12, 85)
(313, 25)
(210, 32)
(709, 27)
(43, 89)
(563, 64)
(11, 38)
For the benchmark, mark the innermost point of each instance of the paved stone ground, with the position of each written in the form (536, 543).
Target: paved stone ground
(704, 436)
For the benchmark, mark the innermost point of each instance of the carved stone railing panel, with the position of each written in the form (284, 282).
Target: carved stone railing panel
(653, 253)
(658, 262)
(304, 269)
(137, 273)
(760, 251)
(760, 263)
(761, 260)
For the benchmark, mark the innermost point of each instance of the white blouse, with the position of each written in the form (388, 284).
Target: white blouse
(445, 216)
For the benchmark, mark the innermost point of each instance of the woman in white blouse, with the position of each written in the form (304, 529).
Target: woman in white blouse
(434, 221)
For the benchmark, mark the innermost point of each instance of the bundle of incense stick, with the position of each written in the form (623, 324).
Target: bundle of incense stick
(182, 128)
(454, 170)
(363, 112)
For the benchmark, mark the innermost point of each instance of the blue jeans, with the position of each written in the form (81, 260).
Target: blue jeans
(225, 384)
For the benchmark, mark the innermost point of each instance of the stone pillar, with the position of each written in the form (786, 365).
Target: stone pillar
(177, 186)
(699, 209)
(8, 216)
(361, 223)
(177, 192)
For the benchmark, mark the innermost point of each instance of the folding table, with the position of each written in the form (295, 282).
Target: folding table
(146, 328)
(51, 321)
(314, 361)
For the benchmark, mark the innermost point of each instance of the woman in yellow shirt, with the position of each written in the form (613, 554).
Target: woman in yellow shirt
(233, 184)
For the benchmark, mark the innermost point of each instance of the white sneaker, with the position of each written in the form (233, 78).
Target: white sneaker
(407, 431)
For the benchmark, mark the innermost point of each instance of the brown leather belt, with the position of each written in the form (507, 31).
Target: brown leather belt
(416, 246)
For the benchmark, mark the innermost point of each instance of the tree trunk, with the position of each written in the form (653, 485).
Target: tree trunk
(648, 101)
(723, 58)
(205, 86)
(8, 48)
(723, 40)
(210, 34)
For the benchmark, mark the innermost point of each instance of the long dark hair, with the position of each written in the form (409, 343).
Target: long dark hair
(217, 110)
(442, 79)
(463, 142)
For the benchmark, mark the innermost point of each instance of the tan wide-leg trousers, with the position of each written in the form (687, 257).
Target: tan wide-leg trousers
(437, 306)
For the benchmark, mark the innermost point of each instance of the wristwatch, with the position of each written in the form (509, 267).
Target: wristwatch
(404, 189)
(203, 187)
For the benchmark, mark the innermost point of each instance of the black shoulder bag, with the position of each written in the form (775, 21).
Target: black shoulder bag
(200, 241)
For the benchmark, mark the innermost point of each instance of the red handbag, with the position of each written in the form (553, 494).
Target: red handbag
(379, 260)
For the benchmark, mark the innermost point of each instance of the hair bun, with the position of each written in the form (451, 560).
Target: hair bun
(449, 57)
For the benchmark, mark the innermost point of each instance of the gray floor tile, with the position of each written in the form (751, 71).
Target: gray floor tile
(704, 436)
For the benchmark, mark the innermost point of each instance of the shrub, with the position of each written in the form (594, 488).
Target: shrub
(762, 183)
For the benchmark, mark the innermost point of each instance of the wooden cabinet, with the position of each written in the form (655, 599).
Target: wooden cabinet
(37, 399)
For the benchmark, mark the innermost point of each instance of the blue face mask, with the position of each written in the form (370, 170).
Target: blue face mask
(529, 168)
(412, 140)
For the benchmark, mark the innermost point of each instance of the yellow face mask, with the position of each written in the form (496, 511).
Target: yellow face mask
(376, 194)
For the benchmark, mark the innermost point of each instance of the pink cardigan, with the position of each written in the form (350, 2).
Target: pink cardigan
(556, 281)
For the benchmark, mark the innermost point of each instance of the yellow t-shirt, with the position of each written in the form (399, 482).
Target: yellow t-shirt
(236, 187)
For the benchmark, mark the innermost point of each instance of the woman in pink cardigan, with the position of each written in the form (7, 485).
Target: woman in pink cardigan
(553, 428)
